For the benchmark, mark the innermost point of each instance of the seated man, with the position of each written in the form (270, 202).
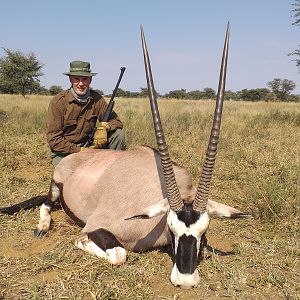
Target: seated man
(73, 114)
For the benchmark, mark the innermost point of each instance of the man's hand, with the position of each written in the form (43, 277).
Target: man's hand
(85, 148)
(100, 136)
(105, 125)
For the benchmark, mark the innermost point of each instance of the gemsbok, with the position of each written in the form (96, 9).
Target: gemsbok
(139, 199)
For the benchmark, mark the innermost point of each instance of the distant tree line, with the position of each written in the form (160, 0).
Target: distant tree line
(20, 73)
(280, 90)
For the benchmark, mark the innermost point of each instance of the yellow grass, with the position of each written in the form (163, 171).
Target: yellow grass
(257, 169)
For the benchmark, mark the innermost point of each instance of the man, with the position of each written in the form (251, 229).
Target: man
(73, 114)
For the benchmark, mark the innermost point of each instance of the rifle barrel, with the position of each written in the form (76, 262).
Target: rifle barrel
(111, 101)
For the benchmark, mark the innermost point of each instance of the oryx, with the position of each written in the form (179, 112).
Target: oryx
(139, 199)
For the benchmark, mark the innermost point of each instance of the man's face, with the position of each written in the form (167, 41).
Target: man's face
(80, 84)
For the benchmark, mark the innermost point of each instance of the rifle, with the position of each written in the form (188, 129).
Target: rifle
(111, 101)
(108, 111)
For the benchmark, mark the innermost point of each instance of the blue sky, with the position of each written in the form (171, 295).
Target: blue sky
(185, 40)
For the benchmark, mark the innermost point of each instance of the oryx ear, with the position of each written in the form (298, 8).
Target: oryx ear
(220, 210)
(160, 208)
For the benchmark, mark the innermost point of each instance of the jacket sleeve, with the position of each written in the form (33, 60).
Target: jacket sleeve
(54, 133)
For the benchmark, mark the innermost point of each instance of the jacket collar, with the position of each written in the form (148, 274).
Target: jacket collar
(70, 97)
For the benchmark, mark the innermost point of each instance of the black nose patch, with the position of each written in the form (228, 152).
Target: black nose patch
(186, 256)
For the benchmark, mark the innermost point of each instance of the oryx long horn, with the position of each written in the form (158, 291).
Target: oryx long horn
(201, 198)
(174, 198)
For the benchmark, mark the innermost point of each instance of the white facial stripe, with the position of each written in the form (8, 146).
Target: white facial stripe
(179, 228)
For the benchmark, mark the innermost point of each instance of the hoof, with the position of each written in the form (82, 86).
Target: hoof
(37, 232)
(116, 256)
(242, 215)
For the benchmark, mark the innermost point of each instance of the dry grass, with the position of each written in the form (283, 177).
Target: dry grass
(257, 170)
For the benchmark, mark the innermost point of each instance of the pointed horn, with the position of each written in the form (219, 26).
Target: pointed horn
(201, 198)
(174, 198)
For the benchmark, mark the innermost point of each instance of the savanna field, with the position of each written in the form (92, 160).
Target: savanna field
(257, 170)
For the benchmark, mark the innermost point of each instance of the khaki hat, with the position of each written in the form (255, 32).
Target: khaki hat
(80, 68)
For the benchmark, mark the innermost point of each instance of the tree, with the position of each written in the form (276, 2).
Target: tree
(296, 15)
(194, 95)
(55, 89)
(208, 93)
(19, 72)
(253, 94)
(40, 90)
(177, 94)
(144, 92)
(230, 95)
(281, 88)
(296, 12)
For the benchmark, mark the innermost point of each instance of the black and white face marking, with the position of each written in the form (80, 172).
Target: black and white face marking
(187, 228)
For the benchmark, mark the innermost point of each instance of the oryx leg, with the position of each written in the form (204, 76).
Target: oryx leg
(45, 218)
(103, 244)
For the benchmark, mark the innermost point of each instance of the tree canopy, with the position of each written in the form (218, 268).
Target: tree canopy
(253, 94)
(281, 88)
(296, 12)
(55, 89)
(19, 72)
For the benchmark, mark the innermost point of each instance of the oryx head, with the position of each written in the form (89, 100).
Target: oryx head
(187, 222)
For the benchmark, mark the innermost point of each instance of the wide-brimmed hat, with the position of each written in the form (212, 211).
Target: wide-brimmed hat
(80, 68)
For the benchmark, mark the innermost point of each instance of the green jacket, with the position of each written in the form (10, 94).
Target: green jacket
(70, 123)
